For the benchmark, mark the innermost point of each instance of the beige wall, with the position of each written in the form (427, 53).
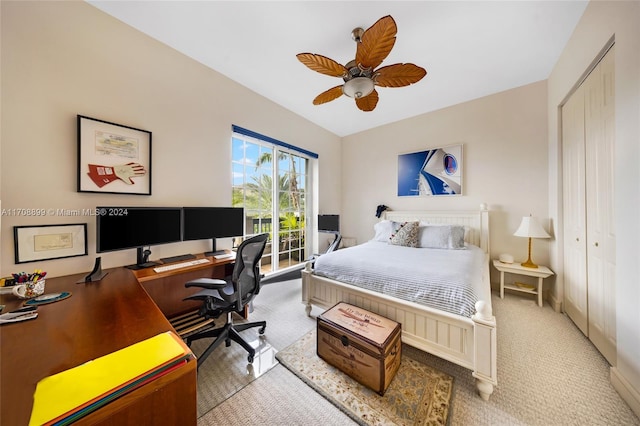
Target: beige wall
(601, 21)
(60, 59)
(505, 165)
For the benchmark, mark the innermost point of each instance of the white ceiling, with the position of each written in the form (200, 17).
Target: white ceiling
(470, 49)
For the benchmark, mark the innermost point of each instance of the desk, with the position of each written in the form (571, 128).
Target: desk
(98, 318)
(167, 288)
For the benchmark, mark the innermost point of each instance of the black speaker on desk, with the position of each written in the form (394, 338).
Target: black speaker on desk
(96, 274)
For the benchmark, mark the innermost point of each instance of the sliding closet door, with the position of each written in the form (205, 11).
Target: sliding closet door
(574, 208)
(601, 248)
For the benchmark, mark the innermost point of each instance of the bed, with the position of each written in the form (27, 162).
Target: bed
(465, 336)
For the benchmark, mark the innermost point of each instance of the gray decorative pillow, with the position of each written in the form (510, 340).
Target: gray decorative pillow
(442, 236)
(435, 236)
(457, 237)
(405, 234)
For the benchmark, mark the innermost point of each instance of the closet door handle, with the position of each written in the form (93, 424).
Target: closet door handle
(595, 244)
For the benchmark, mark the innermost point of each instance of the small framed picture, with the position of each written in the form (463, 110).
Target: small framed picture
(113, 158)
(46, 242)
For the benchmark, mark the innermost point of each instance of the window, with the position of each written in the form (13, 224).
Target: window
(279, 209)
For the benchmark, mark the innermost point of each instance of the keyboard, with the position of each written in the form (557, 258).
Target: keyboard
(171, 267)
(225, 256)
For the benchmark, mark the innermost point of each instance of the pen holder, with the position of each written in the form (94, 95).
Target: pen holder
(29, 289)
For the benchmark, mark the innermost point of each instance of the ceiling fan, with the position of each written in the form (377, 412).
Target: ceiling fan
(360, 75)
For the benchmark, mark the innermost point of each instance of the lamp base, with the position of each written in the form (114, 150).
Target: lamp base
(529, 264)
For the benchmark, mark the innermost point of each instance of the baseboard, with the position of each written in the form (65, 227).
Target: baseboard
(626, 390)
(555, 303)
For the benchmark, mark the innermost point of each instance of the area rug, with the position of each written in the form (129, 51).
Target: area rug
(417, 395)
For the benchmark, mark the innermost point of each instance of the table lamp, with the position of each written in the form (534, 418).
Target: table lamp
(530, 228)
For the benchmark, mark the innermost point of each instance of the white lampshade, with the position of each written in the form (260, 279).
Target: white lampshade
(358, 87)
(531, 228)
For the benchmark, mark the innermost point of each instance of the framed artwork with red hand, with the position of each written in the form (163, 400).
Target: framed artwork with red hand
(113, 158)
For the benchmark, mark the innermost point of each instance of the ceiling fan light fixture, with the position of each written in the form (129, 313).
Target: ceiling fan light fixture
(362, 74)
(358, 87)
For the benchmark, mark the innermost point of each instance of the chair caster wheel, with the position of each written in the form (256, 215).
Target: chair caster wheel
(261, 331)
(250, 359)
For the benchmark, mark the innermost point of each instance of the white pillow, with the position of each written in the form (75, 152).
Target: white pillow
(383, 230)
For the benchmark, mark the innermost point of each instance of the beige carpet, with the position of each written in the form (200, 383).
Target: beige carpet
(229, 363)
(226, 371)
(223, 373)
(417, 395)
(548, 373)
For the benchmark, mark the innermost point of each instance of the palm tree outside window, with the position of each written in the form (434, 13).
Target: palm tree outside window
(254, 173)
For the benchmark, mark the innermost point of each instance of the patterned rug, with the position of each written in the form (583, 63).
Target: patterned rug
(417, 395)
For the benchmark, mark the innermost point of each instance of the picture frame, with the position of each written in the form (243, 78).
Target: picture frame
(433, 172)
(113, 158)
(47, 242)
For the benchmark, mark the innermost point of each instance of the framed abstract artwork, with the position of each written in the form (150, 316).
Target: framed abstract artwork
(436, 171)
(113, 158)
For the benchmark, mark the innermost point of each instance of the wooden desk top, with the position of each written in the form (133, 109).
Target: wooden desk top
(148, 274)
(98, 318)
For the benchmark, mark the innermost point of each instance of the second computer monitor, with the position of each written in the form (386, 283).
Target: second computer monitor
(201, 223)
(328, 223)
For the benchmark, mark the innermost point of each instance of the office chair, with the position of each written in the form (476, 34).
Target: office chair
(334, 245)
(231, 295)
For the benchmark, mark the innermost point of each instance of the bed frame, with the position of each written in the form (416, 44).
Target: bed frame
(469, 342)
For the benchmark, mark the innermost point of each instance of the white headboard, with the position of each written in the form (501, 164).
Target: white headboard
(477, 222)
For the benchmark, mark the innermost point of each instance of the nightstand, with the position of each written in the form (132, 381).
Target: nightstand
(541, 272)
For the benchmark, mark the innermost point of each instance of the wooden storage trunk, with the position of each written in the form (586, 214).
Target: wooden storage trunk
(364, 345)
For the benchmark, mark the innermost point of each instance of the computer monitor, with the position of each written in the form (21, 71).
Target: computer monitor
(120, 228)
(328, 223)
(201, 223)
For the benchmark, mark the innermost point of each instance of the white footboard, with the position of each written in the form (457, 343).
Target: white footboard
(469, 342)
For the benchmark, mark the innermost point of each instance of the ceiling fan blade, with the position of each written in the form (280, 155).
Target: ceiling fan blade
(369, 102)
(399, 75)
(377, 42)
(322, 64)
(328, 95)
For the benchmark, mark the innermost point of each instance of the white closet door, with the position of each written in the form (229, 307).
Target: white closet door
(574, 205)
(601, 264)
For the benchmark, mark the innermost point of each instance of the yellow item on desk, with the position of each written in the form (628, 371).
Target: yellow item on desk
(61, 395)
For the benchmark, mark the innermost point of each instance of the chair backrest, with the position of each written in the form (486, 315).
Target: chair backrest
(246, 272)
(334, 245)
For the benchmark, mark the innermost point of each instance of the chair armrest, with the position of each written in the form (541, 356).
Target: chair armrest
(208, 283)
